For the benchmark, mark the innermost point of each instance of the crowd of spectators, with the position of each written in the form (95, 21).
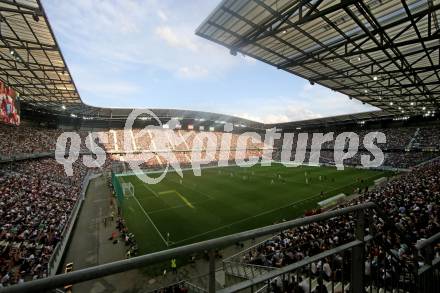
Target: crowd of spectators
(403, 147)
(35, 205)
(26, 140)
(396, 138)
(36, 197)
(406, 160)
(36, 200)
(30, 140)
(411, 203)
(50, 170)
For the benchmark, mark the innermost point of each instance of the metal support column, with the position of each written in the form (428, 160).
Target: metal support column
(211, 271)
(357, 261)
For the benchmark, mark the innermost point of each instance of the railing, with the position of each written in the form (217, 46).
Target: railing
(350, 275)
(22, 157)
(192, 288)
(58, 281)
(393, 276)
(303, 269)
(428, 275)
(242, 270)
(196, 284)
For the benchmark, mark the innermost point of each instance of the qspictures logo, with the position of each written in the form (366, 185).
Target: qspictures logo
(214, 148)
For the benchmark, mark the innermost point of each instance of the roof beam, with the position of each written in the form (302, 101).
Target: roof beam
(32, 70)
(40, 84)
(25, 43)
(399, 86)
(267, 28)
(40, 67)
(408, 12)
(21, 47)
(303, 61)
(346, 42)
(401, 95)
(388, 72)
(20, 5)
(330, 51)
(302, 20)
(364, 10)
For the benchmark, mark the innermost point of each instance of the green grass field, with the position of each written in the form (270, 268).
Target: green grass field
(222, 201)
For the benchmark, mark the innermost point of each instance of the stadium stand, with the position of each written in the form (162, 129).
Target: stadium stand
(400, 153)
(410, 202)
(39, 202)
(36, 198)
(24, 241)
(27, 140)
(27, 246)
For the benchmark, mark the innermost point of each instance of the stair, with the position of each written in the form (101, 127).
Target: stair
(413, 139)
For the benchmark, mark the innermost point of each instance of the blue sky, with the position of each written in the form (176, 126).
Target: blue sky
(144, 53)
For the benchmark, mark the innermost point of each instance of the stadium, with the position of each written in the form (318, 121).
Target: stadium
(112, 199)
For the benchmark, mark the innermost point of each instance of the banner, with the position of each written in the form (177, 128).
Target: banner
(9, 105)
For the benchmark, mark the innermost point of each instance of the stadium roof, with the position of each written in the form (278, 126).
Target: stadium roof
(120, 114)
(336, 120)
(384, 53)
(31, 61)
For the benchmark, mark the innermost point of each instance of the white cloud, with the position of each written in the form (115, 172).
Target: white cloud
(192, 72)
(286, 114)
(309, 103)
(162, 15)
(175, 39)
(100, 81)
(331, 103)
(125, 33)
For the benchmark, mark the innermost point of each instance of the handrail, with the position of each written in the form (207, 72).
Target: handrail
(23, 157)
(277, 272)
(194, 286)
(144, 260)
(183, 282)
(251, 265)
(232, 257)
(190, 280)
(422, 244)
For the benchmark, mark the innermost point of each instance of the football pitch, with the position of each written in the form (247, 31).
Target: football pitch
(227, 200)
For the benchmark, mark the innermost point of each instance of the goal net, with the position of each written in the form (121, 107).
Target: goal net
(127, 189)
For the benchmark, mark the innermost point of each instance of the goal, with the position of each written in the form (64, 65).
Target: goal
(127, 189)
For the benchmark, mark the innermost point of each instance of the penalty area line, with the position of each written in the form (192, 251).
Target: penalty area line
(182, 198)
(151, 190)
(150, 220)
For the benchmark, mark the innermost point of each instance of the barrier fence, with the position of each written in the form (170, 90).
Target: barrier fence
(349, 275)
